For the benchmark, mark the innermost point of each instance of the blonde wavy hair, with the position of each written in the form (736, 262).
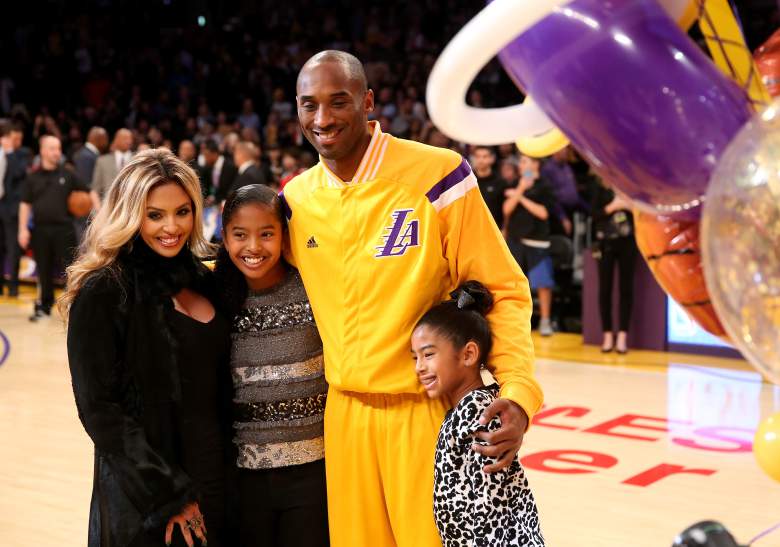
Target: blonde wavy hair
(122, 213)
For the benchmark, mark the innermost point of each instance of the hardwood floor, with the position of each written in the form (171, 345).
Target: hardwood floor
(629, 450)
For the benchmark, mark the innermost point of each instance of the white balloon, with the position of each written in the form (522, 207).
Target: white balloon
(471, 49)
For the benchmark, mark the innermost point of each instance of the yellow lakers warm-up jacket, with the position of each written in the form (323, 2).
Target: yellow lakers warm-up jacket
(379, 251)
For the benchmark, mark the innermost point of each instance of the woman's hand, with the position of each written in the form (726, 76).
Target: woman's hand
(190, 519)
(524, 184)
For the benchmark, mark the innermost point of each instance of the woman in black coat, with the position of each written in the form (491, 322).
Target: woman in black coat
(148, 355)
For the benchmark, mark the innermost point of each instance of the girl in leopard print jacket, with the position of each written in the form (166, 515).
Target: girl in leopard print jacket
(471, 507)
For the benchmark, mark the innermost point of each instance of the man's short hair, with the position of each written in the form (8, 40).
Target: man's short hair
(484, 147)
(211, 145)
(248, 148)
(351, 64)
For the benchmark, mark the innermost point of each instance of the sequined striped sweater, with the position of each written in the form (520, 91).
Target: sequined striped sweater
(280, 388)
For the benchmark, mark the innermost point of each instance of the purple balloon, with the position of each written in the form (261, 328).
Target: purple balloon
(634, 95)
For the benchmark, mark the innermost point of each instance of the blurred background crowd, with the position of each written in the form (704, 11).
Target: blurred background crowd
(215, 82)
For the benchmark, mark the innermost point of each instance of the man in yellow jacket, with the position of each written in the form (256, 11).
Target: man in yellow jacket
(382, 229)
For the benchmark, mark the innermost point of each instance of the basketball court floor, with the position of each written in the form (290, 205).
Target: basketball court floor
(628, 450)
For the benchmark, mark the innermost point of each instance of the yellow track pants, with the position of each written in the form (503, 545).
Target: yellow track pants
(379, 456)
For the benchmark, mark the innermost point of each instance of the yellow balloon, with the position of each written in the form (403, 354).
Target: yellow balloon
(544, 144)
(766, 446)
(728, 48)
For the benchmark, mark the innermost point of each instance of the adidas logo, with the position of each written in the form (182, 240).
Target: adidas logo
(312, 243)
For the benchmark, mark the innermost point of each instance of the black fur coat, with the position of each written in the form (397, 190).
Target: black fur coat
(122, 356)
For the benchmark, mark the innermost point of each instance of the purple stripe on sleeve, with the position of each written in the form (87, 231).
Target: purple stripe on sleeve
(460, 173)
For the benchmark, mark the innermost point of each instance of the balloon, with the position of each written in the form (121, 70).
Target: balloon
(766, 446)
(475, 45)
(634, 95)
(682, 11)
(741, 241)
(728, 49)
(460, 62)
(630, 90)
(544, 144)
(707, 533)
(767, 59)
(671, 249)
(553, 140)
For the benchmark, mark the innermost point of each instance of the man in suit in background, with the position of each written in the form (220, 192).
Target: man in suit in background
(245, 156)
(108, 165)
(17, 138)
(14, 161)
(85, 157)
(84, 161)
(188, 153)
(218, 172)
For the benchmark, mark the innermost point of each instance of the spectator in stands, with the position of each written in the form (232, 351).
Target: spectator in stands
(557, 170)
(614, 246)
(527, 210)
(45, 124)
(490, 182)
(249, 118)
(274, 156)
(155, 138)
(53, 238)
(108, 165)
(13, 170)
(281, 106)
(508, 152)
(272, 130)
(187, 152)
(245, 156)
(509, 173)
(205, 132)
(17, 138)
(85, 158)
(189, 155)
(290, 166)
(229, 143)
(218, 173)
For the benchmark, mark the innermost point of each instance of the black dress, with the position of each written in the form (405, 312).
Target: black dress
(200, 346)
(200, 430)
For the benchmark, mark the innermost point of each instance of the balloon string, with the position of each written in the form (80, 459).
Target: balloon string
(762, 534)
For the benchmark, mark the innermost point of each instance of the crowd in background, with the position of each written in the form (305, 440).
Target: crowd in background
(219, 89)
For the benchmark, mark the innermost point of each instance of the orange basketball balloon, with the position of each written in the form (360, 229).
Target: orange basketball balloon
(79, 203)
(671, 249)
(767, 59)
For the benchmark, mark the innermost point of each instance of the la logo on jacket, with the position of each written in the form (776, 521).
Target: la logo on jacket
(400, 235)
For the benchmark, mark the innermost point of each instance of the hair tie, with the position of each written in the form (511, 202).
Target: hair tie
(463, 299)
